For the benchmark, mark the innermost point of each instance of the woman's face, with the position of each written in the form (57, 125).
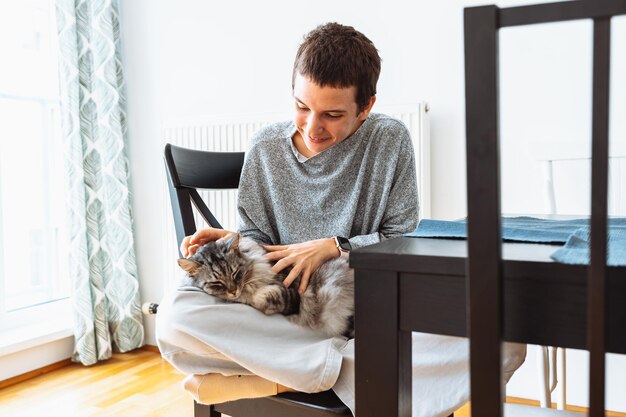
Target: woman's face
(324, 116)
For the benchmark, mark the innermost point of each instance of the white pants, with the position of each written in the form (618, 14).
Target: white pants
(200, 334)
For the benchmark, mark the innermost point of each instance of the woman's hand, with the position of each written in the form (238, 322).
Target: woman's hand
(304, 259)
(191, 244)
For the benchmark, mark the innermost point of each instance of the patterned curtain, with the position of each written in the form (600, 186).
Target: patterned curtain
(105, 290)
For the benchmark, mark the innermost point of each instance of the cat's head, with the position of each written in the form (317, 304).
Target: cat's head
(219, 268)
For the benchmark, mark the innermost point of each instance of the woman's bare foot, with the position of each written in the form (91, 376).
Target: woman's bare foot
(282, 388)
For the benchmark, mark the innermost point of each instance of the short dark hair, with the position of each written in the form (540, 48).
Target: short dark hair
(339, 56)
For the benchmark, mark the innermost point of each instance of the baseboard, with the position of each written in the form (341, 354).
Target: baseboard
(523, 401)
(151, 348)
(34, 373)
(53, 367)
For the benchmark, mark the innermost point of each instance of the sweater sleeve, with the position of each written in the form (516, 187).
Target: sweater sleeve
(253, 221)
(248, 229)
(402, 209)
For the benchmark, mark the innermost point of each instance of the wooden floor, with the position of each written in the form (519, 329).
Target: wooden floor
(136, 384)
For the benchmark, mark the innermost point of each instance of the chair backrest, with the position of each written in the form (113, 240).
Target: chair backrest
(484, 268)
(554, 154)
(189, 170)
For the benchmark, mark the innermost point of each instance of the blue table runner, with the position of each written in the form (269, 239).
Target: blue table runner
(573, 233)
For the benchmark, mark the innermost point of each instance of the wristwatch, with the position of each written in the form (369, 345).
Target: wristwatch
(343, 245)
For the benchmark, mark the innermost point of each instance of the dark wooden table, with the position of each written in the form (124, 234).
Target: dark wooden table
(417, 284)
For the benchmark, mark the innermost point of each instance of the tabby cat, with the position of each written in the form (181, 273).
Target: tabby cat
(235, 270)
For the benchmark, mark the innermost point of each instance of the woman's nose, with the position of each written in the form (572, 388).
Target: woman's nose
(315, 124)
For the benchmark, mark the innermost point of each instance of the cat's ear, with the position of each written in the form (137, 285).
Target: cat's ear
(233, 242)
(189, 266)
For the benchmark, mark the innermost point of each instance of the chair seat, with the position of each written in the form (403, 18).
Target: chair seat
(518, 410)
(294, 404)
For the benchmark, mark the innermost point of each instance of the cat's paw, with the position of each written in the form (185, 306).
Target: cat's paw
(268, 300)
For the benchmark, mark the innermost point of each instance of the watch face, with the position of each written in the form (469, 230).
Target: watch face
(344, 244)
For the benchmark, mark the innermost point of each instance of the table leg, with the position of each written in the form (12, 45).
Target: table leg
(382, 353)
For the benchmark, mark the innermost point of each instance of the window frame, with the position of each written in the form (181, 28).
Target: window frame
(53, 316)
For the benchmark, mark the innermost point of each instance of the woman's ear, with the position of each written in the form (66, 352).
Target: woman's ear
(366, 111)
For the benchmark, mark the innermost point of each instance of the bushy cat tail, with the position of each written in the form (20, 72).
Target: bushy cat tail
(292, 301)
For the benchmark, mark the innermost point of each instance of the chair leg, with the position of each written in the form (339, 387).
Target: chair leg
(213, 412)
(203, 410)
(543, 375)
(562, 398)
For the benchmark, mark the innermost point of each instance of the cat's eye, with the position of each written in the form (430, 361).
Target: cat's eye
(215, 286)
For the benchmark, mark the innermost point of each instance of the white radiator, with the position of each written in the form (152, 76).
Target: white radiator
(231, 133)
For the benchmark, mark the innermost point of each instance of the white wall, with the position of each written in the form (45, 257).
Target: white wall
(193, 57)
(140, 25)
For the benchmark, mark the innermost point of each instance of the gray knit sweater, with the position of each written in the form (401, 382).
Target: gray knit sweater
(363, 188)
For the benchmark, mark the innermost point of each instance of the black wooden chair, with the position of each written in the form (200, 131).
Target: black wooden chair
(189, 170)
(485, 265)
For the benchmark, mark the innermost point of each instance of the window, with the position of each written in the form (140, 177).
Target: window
(34, 281)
